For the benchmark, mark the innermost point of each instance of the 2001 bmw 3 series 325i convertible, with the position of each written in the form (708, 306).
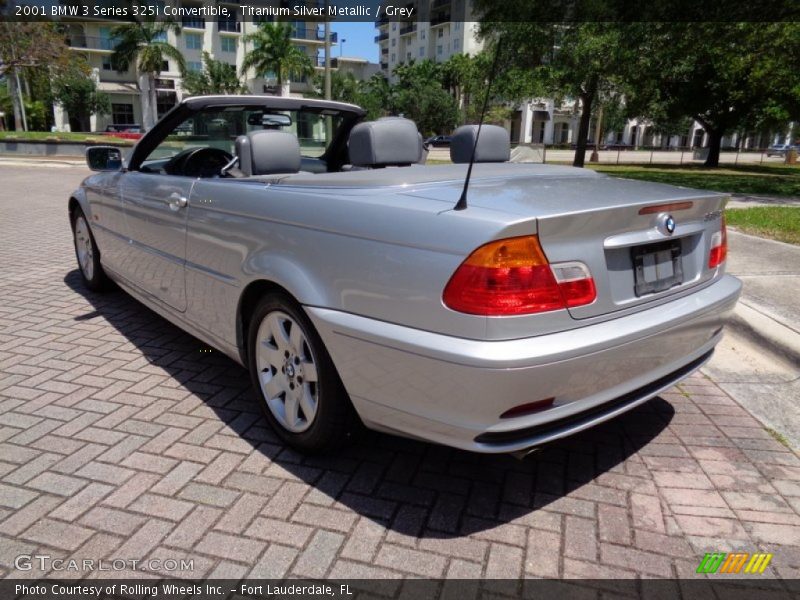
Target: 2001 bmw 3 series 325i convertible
(315, 249)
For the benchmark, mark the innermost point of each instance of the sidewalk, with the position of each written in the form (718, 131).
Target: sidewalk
(758, 363)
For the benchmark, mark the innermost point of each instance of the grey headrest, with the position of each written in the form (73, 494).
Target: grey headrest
(268, 151)
(494, 144)
(391, 141)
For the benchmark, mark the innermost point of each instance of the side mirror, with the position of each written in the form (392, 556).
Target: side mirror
(104, 158)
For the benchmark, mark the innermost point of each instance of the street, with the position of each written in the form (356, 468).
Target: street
(121, 438)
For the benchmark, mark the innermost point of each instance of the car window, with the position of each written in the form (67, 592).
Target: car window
(218, 128)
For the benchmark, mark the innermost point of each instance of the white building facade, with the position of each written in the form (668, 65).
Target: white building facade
(222, 38)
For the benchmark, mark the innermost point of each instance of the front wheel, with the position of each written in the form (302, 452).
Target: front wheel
(88, 255)
(295, 380)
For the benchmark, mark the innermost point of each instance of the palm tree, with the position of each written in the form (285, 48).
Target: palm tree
(144, 43)
(274, 52)
(217, 77)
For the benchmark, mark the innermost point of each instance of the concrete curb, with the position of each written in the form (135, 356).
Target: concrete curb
(764, 330)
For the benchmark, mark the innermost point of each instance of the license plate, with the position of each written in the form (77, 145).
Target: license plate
(657, 267)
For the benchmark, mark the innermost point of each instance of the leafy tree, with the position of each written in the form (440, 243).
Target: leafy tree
(25, 46)
(344, 87)
(77, 93)
(217, 77)
(420, 96)
(274, 52)
(144, 44)
(577, 59)
(726, 76)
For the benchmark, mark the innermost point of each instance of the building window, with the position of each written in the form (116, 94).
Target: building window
(194, 22)
(439, 49)
(394, 26)
(408, 56)
(228, 44)
(422, 34)
(441, 32)
(122, 114)
(421, 51)
(161, 36)
(165, 65)
(107, 66)
(194, 65)
(456, 44)
(394, 42)
(394, 57)
(194, 41)
(457, 25)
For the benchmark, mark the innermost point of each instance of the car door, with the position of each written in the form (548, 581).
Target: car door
(155, 214)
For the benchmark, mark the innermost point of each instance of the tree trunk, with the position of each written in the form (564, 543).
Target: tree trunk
(587, 98)
(14, 93)
(714, 143)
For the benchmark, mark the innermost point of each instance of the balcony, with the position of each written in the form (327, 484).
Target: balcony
(440, 19)
(314, 35)
(385, 51)
(385, 66)
(408, 29)
(89, 42)
(439, 4)
(193, 23)
(381, 37)
(381, 20)
(231, 26)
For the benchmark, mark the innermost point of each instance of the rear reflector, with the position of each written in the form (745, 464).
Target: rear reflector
(671, 207)
(512, 277)
(719, 247)
(527, 409)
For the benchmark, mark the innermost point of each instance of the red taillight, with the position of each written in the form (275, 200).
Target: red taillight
(528, 409)
(512, 277)
(719, 247)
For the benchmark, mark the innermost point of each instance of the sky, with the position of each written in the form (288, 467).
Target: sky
(360, 38)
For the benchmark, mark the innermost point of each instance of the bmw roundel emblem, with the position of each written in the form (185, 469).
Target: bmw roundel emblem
(668, 223)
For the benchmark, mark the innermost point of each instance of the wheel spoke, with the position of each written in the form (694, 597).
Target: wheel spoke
(272, 355)
(278, 331)
(296, 338)
(273, 387)
(310, 372)
(307, 404)
(290, 406)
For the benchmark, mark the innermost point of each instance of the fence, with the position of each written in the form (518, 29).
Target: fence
(643, 156)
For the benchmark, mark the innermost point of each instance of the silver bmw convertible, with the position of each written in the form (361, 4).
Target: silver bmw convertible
(360, 286)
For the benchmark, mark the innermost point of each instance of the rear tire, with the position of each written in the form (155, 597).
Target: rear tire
(295, 381)
(92, 273)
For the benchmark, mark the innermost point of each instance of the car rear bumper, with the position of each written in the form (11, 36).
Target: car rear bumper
(452, 390)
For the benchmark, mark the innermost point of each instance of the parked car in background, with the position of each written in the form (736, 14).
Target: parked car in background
(309, 246)
(438, 141)
(131, 131)
(781, 149)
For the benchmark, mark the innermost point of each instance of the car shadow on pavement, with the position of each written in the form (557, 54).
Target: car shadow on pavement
(412, 488)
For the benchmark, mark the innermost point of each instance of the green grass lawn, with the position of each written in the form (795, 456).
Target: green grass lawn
(776, 222)
(37, 136)
(757, 180)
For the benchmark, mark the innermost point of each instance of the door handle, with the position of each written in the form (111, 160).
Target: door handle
(176, 201)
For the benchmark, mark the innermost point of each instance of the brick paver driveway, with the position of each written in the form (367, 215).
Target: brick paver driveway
(121, 438)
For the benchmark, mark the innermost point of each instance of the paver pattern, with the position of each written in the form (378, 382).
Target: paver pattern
(121, 438)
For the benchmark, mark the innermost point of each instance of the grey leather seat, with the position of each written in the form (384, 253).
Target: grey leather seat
(387, 142)
(268, 152)
(494, 144)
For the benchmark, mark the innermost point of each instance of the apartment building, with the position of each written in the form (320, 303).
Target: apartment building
(221, 37)
(438, 29)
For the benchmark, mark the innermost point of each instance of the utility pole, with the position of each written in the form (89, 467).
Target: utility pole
(327, 55)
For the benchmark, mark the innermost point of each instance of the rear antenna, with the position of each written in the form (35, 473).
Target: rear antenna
(462, 201)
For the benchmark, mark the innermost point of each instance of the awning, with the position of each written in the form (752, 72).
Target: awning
(541, 115)
(117, 87)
